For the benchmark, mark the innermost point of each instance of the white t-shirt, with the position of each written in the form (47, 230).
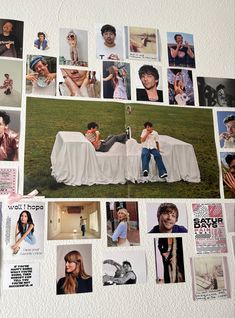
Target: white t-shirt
(150, 141)
(104, 52)
(230, 143)
(48, 90)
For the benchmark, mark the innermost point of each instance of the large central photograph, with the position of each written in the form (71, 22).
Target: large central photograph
(109, 149)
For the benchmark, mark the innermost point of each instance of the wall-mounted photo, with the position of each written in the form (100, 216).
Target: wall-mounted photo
(122, 223)
(11, 38)
(109, 42)
(72, 220)
(148, 80)
(226, 127)
(79, 83)
(169, 260)
(228, 173)
(124, 267)
(230, 216)
(180, 87)
(41, 42)
(74, 269)
(215, 91)
(9, 135)
(10, 83)
(141, 43)
(41, 75)
(116, 80)
(73, 47)
(180, 49)
(166, 217)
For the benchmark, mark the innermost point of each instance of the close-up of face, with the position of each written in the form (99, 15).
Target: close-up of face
(148, 81)
(24, 218)
(179, 39)
(149, 128)
(78, 76)
(7, 28)
(232, 167)
(121, 215)
(167, 220)
(3, 126)
(109, 38)
(41, 68)
(70, 266)
(231, 128)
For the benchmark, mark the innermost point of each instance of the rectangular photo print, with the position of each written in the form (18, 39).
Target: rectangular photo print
(230, 216)
(166, 217)
(116, 80)
(180, 87)
(218, 92)
(10, 83)
(73, 47)
(169, 260)
(74, 269)
(122, 223)
(141, 43)
(210, 277)
(109, 42)
(127, 267)
(228, 173)
(11, 38)
(25, 230)
(73, 220)
(180, 49)
(209, 228)
(41, 75)
(226, 129)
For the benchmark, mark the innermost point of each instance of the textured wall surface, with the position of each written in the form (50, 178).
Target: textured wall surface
(212, 23)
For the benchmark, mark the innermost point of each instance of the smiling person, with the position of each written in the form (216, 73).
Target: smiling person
(9, 44)
(228, 137)
(120, 234)
(149, 77)
(24, 230)
(76, 279)
(43, 81)
(167, 215)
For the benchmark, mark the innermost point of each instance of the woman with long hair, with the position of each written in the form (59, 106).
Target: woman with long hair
(120, 234)
(76, 280)
(118, 79)
(24, 231)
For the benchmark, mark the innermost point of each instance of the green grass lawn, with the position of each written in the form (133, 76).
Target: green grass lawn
(45, 117)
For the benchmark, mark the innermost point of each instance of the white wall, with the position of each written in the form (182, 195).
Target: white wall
(212, 23)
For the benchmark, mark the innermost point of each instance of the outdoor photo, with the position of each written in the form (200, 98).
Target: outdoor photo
(85, 150)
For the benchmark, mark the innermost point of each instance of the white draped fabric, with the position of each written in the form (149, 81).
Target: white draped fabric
(75, 161)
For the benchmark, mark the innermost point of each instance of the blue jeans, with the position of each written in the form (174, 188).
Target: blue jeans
(146, 156)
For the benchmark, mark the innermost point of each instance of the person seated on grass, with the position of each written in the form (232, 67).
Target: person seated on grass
(167, 215)
(93, 135)
(150, 143)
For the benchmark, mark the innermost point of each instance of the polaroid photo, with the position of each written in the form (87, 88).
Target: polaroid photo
(180, 48)
(109, 42)
(73, 220)
(180, 87)
(166, 217)
(74, 269)
(41, 75)
(73, 47)
(122, 223)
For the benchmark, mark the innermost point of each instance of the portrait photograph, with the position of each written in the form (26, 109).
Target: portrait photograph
(11, 38)
(127, 267)
(41, 75)
(79, 83)
(73, 47)
(141, 43)
(218, 92)
(10, 83)
(228, 173)
(116, 80)
(41, 41)
(226, 129)
(180, 87)
(122, 223)
(180, 49)
(109, 42)
(73, 220)
(166, 217)
(169, 260)
(148, 82)
(74, 269)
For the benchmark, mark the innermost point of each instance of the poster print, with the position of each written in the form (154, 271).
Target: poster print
(8, 180)
(210, 277)
(24, 236)
(209, 228)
